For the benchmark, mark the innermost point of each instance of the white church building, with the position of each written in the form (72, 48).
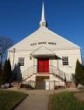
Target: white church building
(45, 58)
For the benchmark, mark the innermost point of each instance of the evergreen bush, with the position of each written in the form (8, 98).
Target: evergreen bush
(79, 73)
(6, 72)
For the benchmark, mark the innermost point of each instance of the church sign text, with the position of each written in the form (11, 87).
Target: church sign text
(39, 43)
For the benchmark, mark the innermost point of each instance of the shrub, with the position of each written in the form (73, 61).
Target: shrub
(79, 73)
(6, 72)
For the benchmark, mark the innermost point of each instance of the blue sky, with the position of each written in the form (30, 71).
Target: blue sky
(19, 18)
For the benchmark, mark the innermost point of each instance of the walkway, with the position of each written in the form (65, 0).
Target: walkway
(37, 99)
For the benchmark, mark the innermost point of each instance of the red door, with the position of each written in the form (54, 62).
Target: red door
(43, 65)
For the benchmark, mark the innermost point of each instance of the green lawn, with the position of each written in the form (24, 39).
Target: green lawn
(9, 99)
(65, 101)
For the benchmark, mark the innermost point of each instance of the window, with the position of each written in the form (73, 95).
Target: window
(21, 61)
(65, 61)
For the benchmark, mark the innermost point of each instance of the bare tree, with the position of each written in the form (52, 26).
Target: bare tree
(5, 43)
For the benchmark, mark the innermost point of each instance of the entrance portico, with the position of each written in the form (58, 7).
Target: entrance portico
(43, 56)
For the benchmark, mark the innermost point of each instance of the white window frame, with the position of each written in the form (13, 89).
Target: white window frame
(21, 61)
(65, 61)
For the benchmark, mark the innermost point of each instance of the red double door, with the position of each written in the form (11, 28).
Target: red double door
(43, 65)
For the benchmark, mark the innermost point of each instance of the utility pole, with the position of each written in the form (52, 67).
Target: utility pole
(14, 56)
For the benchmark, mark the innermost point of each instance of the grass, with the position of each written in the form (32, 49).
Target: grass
(9, 99)
(65, 101)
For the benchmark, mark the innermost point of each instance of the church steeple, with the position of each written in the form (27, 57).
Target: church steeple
(43, 21)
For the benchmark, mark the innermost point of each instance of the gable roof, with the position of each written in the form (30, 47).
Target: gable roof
(44, 37)
(42, 51)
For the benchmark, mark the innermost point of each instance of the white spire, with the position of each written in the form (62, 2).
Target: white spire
(43, 13)
(43, 21)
